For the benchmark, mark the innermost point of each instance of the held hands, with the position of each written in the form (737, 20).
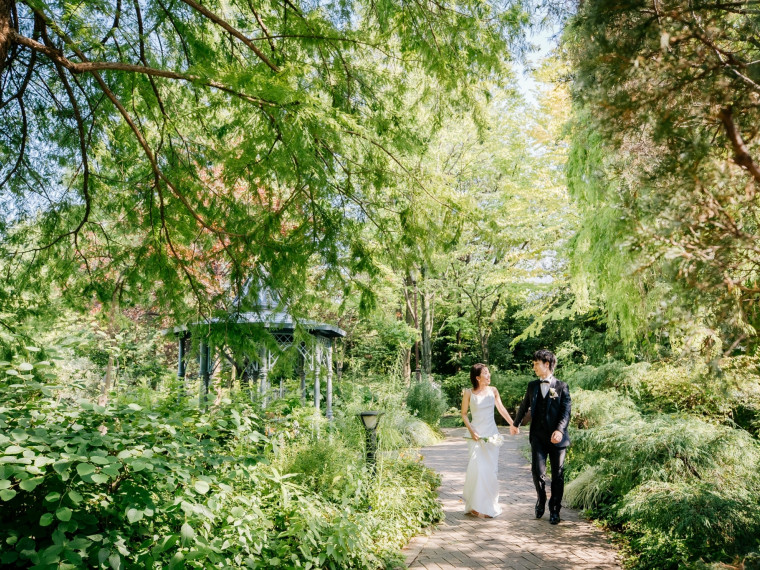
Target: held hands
(557, 436)
(514, 430)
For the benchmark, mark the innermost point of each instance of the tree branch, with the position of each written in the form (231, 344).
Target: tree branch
(95, 66)
(742, 156)
(235, 32)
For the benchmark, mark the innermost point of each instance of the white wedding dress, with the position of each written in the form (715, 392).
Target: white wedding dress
(481, 483)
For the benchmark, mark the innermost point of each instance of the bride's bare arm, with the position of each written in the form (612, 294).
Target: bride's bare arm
(502, 410)
(465, 419)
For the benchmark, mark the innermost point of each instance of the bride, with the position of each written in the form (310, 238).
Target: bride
(481, 484)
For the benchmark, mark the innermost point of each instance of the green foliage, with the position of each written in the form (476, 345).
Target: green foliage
(659, 166)
(165, 485)
(426, 401)
(682, 487)
(511, 387)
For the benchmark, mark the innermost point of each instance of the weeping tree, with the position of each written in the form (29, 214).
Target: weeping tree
(665, 162)
(173, 146)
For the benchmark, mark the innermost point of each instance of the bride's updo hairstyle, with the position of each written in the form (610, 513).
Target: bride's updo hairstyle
(475, 371)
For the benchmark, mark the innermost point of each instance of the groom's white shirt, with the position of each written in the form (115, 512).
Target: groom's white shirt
(545, 387)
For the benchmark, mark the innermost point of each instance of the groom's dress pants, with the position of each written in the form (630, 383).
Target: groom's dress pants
(541, 449)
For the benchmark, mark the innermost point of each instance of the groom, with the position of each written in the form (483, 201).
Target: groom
(549, 402)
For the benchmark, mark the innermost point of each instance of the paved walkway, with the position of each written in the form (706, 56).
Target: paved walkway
(515, 539)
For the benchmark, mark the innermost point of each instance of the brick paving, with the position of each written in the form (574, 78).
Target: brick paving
(514, 540)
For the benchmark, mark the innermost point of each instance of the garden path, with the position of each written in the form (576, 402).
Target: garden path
(516, 539)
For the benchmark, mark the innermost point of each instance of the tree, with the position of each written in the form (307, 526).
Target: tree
(665, 161)
(224, 135)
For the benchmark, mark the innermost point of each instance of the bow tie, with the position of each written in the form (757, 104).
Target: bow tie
(546, 381)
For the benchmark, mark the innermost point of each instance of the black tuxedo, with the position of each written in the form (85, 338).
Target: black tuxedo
(549, 414)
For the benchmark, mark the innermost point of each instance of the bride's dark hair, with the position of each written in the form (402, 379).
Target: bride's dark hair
(476, 371)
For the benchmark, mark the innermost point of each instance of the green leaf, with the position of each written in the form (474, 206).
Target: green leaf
(30, 484)
(99, 478)
(25, 367)
(11, 372)
(7, 494)
(187, 533)
(63, 514)
(85, 469)
(20, 434)
(135, 407)
(61, 466)
(134, 515)
(52, 497)
(201, 487)
(75, 497)
(13, 450)
(46, 519)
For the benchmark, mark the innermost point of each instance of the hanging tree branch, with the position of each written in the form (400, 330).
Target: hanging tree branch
(742, 157)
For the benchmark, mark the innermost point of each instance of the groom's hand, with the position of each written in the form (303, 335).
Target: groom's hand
(514, 430)
(557, 436)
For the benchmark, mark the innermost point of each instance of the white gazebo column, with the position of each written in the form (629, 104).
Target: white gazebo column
(317, 363)
(328, 411)
(302, 370)
(264, 375)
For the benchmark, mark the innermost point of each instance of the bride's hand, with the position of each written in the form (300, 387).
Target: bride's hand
(475, 436)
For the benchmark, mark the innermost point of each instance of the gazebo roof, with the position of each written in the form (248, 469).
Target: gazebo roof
(267, 311)
(279, 321)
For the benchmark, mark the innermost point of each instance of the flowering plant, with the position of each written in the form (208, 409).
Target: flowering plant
(552, 393)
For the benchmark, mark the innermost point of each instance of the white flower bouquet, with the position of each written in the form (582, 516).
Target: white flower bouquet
(496, 439)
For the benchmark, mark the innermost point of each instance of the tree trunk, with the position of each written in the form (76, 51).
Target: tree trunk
(409, 319)
(5, 32)
(108, 381)
(426, 330)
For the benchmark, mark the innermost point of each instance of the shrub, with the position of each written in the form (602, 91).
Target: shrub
(619, 375)
(511, 387)
(426, 401)
(592, 408)
(672, 481)
(168, 486)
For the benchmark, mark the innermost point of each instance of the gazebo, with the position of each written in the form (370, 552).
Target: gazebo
(314, 356)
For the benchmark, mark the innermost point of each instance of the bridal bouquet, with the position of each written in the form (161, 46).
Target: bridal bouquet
(496, 440)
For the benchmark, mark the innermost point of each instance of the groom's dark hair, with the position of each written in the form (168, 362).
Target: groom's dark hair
(547, 356)
(476, 371)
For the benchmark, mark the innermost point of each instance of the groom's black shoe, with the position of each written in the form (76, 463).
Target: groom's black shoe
(540, 507)
(554, 518)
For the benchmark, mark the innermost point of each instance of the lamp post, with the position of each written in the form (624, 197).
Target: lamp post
(370, 421)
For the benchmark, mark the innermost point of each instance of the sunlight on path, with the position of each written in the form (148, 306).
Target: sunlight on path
(514, 540)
